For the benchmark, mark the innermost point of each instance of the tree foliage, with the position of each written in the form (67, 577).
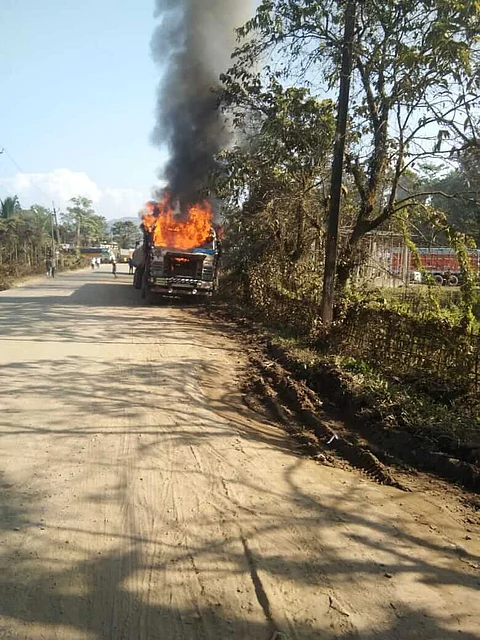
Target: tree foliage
(81, 225)
(24, 234)
(457, 193)
(126, 233)
(9, 207)
(278, 170)
(28, 235)
(415, 88)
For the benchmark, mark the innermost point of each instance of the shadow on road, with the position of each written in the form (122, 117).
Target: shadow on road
(47, 593)
(105, 310)
(109, 609)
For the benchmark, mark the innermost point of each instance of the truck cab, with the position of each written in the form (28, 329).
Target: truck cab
(170, 271)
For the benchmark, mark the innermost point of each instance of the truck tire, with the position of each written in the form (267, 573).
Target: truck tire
(438, 278)
(146, 293)
(453, 280)
(138, 277)
(144, 286)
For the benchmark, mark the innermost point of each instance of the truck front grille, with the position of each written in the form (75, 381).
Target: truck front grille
(185, 266)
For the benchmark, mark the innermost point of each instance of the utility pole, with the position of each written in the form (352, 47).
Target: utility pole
(331, 240)
(53, 239)
(77, 234)
(57, 231)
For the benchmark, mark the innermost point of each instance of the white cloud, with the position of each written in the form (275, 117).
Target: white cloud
(122, 202)
(60, 185)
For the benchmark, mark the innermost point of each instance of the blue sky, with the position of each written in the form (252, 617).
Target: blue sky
(78, 98)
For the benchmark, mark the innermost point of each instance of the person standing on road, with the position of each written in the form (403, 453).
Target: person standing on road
(54, 266)
(48, 266)
(97, 262)
(130, 266)
(92, 263)
(114, 267)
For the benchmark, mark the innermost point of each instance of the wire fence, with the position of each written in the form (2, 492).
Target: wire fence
(403, 345)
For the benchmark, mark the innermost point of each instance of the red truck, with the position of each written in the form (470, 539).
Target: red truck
(440, 262)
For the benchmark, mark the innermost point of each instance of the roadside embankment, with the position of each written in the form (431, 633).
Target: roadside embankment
(407, 424)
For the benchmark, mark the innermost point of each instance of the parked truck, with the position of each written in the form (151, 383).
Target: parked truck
(440, 262)
(169, 271)
(104, 253)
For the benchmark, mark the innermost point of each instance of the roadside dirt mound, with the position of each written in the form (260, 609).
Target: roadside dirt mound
(300, 411)
(363, 429)
(393, 445)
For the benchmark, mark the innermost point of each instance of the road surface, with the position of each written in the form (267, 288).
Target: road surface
(141, 500)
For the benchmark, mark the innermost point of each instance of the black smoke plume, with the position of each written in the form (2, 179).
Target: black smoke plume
(192, 45)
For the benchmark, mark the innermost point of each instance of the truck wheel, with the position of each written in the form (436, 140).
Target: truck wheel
(138, 277)
(144, 286)
(146, 292)
(453, 280)
(438, 278)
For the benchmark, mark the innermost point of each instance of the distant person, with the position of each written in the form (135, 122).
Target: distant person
(48, 266)
(93, 262)
(98, 262)
(114, 267)
(54, 266)
(130, 266)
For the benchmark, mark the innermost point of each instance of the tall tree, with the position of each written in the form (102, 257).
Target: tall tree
(275, 180)
(81, 219)
(24, 234)
(126, 233)
(10, 207)
(456, 193)
(415, 86)
(333, 222)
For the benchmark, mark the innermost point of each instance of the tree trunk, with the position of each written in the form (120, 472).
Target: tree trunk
(349, 257)
(300, 245)
(331, 239)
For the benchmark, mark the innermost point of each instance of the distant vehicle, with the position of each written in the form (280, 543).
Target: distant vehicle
(440, 262)
(104, 254)
(125, 254)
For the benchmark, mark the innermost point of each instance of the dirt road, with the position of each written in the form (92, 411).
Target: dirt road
(141, 500)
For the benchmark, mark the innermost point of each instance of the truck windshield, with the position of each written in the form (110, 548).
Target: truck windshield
(209, 243)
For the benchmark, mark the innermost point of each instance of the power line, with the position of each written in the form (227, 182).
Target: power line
(2, 186)
(5, 151)
(27, 175)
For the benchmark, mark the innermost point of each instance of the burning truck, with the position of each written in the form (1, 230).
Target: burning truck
(180, 253)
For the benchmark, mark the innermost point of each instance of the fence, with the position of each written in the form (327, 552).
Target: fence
(297, 316)
(426, 349)
(403, 343)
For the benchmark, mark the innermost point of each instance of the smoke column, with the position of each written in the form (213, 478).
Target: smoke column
(192, 44)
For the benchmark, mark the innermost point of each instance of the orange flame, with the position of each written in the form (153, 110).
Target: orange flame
(169, 230)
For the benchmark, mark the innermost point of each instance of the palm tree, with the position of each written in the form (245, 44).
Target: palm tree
(9, 207)
(24, 235)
